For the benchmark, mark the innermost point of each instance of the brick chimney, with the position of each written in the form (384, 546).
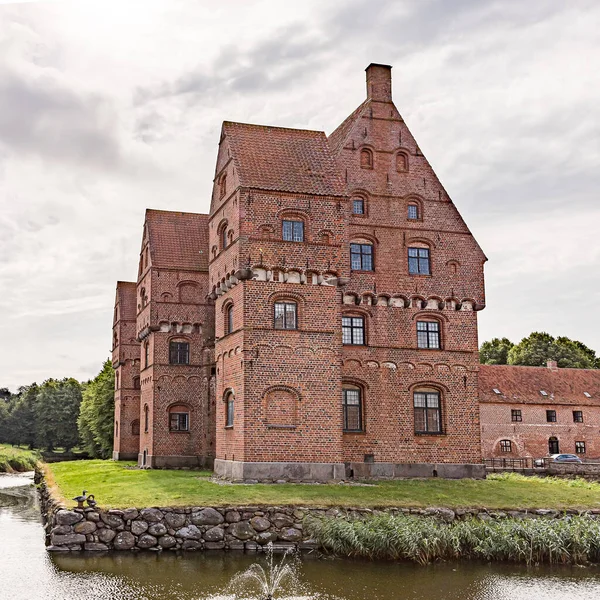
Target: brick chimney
(379, 82)
(552, 365)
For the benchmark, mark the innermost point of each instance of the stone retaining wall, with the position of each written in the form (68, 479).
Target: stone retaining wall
(248, 528)
(586, 470)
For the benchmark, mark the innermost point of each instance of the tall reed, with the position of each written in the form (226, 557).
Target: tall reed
(570, 539)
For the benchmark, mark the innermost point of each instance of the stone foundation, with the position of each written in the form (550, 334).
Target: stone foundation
(361, 470)
(174, 462)
(124, 455)
(279, 471)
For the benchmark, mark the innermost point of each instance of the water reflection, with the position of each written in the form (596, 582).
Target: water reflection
(27, 572)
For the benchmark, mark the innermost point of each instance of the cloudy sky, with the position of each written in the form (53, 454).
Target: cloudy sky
(109, 107)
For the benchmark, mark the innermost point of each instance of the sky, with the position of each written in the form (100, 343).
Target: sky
(109, 107)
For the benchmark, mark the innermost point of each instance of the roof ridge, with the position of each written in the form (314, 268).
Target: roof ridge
(175, 212)
(259, 126)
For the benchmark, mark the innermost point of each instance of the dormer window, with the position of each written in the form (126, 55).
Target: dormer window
(496, 391)
(543, 393)
(587, 394)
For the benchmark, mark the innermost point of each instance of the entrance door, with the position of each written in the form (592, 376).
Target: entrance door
(553, 446)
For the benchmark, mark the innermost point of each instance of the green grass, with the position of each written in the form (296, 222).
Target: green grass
(574, 540)
(15, 459)
(116, 486)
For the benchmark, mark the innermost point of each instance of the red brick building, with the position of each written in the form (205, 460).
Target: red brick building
(536, 411)
(319, 323)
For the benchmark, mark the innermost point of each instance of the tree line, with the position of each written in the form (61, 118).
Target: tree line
(538, 348)
(61, 414)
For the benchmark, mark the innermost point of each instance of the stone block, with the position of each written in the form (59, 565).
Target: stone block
(95, 547)
(146, 541)
(65, 540)
(175, 520)
(68, 517)
(214, 534)
(138, 527)
(191, 532)
(84, 527)
(157, 529)
(124, 540)
(152, 515)
(207, 516)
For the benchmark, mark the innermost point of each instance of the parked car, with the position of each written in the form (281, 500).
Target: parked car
(560, 458)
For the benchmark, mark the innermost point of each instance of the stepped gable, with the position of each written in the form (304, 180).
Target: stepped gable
(524, 385)
(126, 299)
(282, 159)
(338, 137)
(178, 240)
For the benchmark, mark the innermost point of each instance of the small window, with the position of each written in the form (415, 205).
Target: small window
(135, 427)
(577, 416)
(413, 212)
(179, 421)
(229, 319)
(229, 406)
(579, 447)
(285, 315)
(496, 391)
(293, 231)
(361, 257)
(353, 331)
(427, 412)
(551, 416)
(401, 162)
(418, 261)
(146, 418)
(179, 353)
(358, 206)
(553, 446)
(543, 393)
(352, 409)
(223, 186)
(366, 158)
(505, 446)
(587, 394)
(136, 386)
(515, 416)
(116, 381)
(428, 334)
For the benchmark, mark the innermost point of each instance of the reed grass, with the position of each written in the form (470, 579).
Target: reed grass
(568, 540)
(17, 460)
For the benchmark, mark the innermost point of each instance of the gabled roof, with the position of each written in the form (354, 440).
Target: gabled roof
(178, 240)
(282, 159)
(126, 299)
(525, 384)
(338, 137)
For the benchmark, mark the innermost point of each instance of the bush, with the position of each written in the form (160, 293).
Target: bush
(17, 460)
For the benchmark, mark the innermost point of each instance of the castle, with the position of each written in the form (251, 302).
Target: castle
(320, 323)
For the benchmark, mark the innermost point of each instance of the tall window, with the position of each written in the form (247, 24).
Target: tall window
(553, 447)
(352, 409)
(505, 446)
(580, 447)
(285, 316)
(428, 334)
(224, 237)
(418, 261)
(146, 418)
(551, 416)
(358, 206)
(361, 257)
(515, 416)
(401, 162)
(366, 158)
(136, 386)
(353, 330)
(413, 212)
(179, 421)
(229, 319)
(135, 427)
(146, 354)
(229, 406)
(179, 353)
(427, 412)
(577, 416)
(293, 231)
(223, 185)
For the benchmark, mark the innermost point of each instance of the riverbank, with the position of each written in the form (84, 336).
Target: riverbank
(17, 460)
(120, 485)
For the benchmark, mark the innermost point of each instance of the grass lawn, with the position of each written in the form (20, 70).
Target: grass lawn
(13, 458)
(116, 486)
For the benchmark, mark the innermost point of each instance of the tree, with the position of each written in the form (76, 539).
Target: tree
(539, 347)
(97, 413)
(495, 352)
(23, 413)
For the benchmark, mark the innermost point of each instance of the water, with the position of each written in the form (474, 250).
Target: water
(27, 572)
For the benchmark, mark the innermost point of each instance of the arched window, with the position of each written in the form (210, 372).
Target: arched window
(146, 355)
(505, 446)
(429, 334)
(179, 418)
(413, 211)
(285, 315)
(136, 386)
(553, 445)
(229, 319)
(229, 409)
(179, 352)
(146, 418)
(366, 158)
(224, 239)
(135, 427)
(401, 162)
(361, 256)
(353, 408)
(428, 413)
(223, 185)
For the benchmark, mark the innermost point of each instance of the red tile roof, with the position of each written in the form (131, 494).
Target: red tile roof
(338, 137)
(126, 298)
(178, 239)
(523, 384)
(282, 159)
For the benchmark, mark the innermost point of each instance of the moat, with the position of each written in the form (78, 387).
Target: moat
(28, 572)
